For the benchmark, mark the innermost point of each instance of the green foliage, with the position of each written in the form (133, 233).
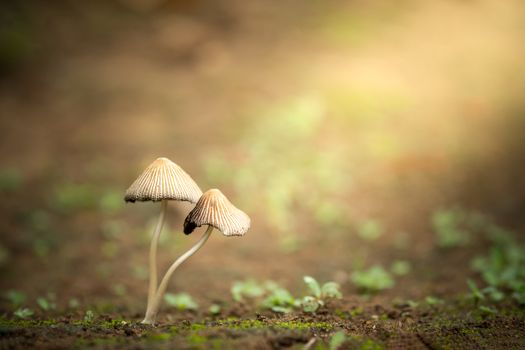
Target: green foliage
(10, 180)
(488, 310)
(431, 300)
(370, 230)
(313, 286)
(279, 300)
(214, 309)
(181, 301)
(476, 293)
(448, 225)
(331, 290)
(276, 298)
(16, 298)
(400, 267)
(318, 295)
(47, 303)
(373, 280)
(503, 269)
(23, 313)
(337, 340)
(341, 341)
(311, 304)
(248, 288)
(89, 316)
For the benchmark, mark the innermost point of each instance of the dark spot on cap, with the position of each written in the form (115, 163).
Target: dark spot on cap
(189, 227)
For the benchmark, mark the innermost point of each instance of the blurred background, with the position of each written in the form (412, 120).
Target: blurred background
(356, 134)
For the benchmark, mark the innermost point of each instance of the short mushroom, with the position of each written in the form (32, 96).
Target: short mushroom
(216, 211)
(162, 180)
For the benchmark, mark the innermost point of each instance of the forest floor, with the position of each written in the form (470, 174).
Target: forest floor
(451, 326)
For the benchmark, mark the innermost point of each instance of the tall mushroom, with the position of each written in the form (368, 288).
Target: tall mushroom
(216, 211)
(162, 180)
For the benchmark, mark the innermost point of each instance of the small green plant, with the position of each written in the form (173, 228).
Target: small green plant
(488, 310)
(246, 289)
(373, 280)
(48, 303)
(23, 313)
(319, 294)
(279, 299)
(214, 309)
(89, 316)
(400, 267)
(432, 301)
(337, 340)
(370, 230)
(502, 269)
(475, 293)
(16, 298)
(181, 301)
(448, 225)
(275, 297)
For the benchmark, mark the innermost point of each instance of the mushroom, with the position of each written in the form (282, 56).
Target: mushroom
(162, 180)
(216, 211)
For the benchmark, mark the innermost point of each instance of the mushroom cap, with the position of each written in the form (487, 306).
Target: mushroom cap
(214, 209)
(163, 179)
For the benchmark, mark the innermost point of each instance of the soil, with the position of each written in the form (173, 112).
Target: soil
(454, 326)
(105, 87)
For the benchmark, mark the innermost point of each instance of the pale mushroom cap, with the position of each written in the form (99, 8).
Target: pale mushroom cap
(214, 209)
(163, 179)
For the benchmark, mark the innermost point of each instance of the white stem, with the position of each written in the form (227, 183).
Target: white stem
(153, 254)
(151, 314)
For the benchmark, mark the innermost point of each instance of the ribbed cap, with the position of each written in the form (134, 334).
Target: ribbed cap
(163, 179)
(214, 209)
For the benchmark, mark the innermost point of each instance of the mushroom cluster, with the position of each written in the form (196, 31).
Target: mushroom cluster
(162, 181)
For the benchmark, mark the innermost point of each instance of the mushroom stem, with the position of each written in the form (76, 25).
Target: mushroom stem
(153, 254)
(151, 313)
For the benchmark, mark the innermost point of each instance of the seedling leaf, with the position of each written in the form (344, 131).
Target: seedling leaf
(314, 287)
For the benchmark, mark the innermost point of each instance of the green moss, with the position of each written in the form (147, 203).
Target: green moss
(369, 344)
(247, 324)
(341, 314)
(117, 323)
(303, 325)
(198, 326)
(217, 344)
(160, 337)
(195, 339)
(356, 312)
(21, 323)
